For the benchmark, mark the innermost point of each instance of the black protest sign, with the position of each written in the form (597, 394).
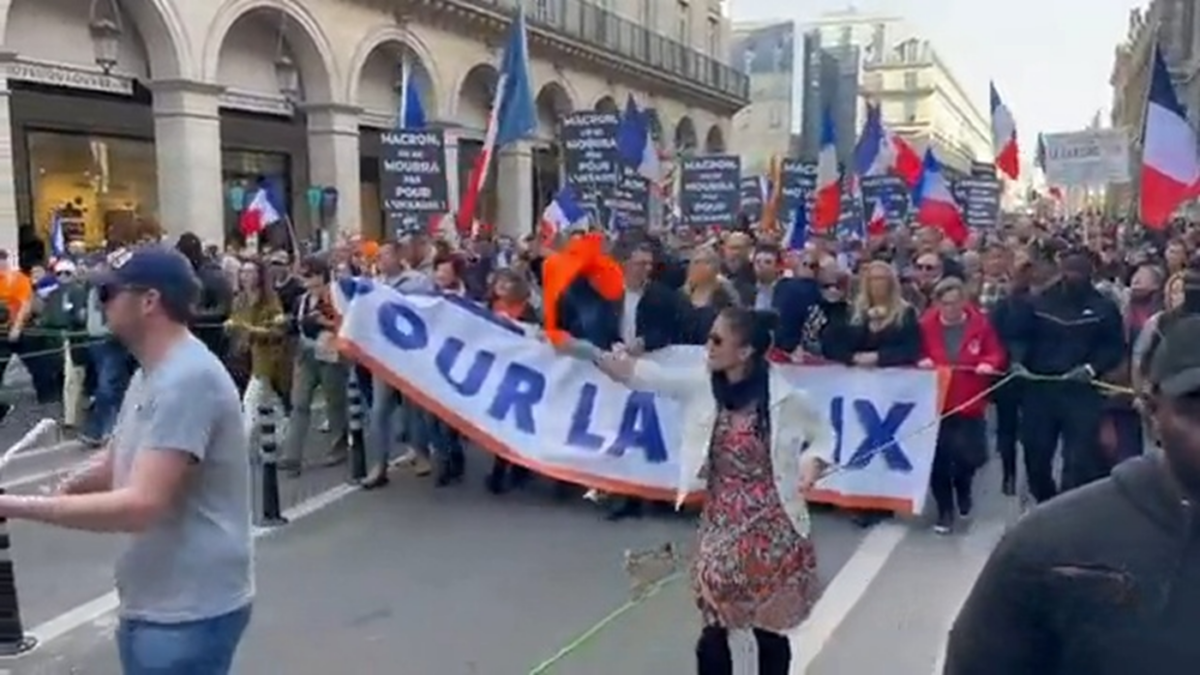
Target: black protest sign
(979, 199)
(630, 199)
(710, 190)
(412, 170)
(752, 197)
(590, 159)
(799, 187)
(890, 192)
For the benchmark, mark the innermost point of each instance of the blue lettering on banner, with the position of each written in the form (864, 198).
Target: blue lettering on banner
(578, 434)
(483, 313)
(402, 327)
(470, 384)
(879, 433)
(352, 287)
(520, 389)
(880, 436)
(640, 428)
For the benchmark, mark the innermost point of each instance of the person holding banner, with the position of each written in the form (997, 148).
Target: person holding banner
(956, 335)
(755, 444)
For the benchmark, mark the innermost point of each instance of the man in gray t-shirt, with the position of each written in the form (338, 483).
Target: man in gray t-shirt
(175, 476)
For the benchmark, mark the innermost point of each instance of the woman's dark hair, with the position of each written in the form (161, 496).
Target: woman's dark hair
(266, 288)
(456, 262)
(753, 328)
(315, 265)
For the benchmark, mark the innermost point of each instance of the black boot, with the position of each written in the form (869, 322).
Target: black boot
(496, 482)
(451, 467)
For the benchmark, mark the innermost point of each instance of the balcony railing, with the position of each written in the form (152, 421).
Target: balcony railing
(592, 24)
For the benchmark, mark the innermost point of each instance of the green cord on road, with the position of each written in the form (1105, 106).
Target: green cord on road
(589, 634)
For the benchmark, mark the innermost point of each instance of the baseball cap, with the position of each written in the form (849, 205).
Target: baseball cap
(154, 268)
(1175, 366)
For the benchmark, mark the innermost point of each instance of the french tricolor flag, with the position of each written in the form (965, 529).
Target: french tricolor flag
(828, 207)
(1004, 137)
(1170, 167)
(935, 204)
(561, 214)
(258, 214)
(880, 152)
(877, 225)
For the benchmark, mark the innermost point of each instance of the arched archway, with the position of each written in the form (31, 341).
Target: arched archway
(685, 135)
(151, 44)
(714, 141)
(475, 95)
(606, 104)
(553, 103)
(244, 42)
(376, 81)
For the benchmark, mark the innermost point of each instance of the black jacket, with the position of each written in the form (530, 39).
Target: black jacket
(1104, 580)
(897, 345)
(1054, 333)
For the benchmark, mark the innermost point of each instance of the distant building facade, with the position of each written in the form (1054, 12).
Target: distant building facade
(766, 53)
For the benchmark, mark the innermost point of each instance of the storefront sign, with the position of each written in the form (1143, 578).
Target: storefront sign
(979, 199)
(67, 75)
(710, 190)
(590, 160)
(249, 101)
(412, 169)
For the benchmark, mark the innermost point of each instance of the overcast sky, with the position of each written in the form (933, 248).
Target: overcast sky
(1050, 59)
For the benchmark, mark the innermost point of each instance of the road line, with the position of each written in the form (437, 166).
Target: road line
(844, 592)
(96, 609)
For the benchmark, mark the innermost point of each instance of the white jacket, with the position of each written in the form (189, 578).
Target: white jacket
(797, 427)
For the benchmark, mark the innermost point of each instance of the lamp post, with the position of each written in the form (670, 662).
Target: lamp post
(287, 75)
(106, 31)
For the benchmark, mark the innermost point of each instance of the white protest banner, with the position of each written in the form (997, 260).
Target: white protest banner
(514, 396)
(1092, 158)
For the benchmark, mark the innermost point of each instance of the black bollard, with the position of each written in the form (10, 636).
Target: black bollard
(269, 459)
(13, 640)
(355, 412)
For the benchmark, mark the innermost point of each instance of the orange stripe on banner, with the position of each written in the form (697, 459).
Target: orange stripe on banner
(943, 388)
(894, 504)
(495, 445)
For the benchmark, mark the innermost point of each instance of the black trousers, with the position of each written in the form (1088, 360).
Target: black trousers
(713, 656)
(1007, 400)
(961, 450)
(1068, 411)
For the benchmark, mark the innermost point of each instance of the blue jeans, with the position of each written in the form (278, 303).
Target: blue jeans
(113, 366)
(386, 404)
(204, 647)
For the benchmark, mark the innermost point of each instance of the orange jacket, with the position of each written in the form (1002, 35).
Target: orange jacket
(580, 257)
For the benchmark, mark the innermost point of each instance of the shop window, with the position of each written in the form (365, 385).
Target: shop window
(242, 171)
(101, 188)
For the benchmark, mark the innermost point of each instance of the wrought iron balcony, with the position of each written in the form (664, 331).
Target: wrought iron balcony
(591, 24)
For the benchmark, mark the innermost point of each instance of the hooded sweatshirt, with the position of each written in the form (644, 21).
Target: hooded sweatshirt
(1104, 580)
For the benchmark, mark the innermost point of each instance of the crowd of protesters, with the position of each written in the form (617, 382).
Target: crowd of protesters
(1065, 303)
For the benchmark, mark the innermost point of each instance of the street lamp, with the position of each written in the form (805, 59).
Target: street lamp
(287, 75)
(106, 32)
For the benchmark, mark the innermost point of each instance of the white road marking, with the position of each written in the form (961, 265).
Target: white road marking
(844, 592)
(980, 542)
(96, 609)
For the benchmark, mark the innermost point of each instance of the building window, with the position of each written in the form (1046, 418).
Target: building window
(102, 188)
(910, 111)
(685, 23)
(911, 81)
(714, 36)
(243, 170)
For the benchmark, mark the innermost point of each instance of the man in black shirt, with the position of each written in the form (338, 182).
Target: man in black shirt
(1104, 580)
(1069, 332)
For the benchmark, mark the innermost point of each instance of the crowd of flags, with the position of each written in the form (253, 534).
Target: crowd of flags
(1170, 168)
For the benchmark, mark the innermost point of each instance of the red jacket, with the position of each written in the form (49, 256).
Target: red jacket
(980, 345)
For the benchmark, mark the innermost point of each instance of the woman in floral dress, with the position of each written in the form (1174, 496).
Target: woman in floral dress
(756, 443)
